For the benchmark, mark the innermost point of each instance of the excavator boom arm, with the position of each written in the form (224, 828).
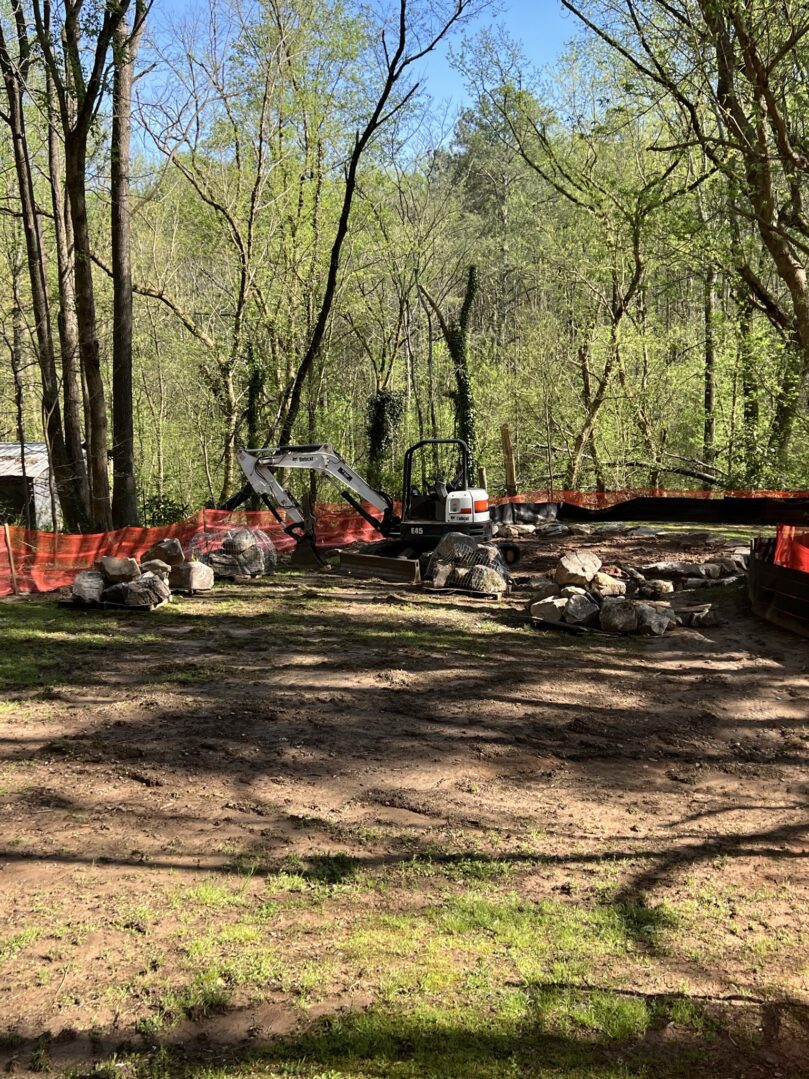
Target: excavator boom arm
(260, 466)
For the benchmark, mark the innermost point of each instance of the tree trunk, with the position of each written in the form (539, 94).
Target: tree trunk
(709, 379)
(124, 496)
(75, 171)
(66, 481)
(68, 330)
(19, 405)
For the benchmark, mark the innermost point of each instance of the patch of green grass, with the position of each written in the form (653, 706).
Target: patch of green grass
(14, 944)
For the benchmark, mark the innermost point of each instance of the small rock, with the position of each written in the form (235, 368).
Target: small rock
(619, 615)
(440, 573)
(572, 590)
(524, 529)
(485, 579)
(708, 617)
(550, 609)
(158, 567)
(655, 620)
(87, 587)
(672, 569)
(577, 567)
(642, 530)
(689, 583)
(654, 588)
(544, 590)
(192, 577)
(605, 585)
(581, 610)
(117, 570)
(169, 551)
(579, 530)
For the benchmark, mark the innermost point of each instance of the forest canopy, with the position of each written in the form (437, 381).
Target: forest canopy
(249, 224)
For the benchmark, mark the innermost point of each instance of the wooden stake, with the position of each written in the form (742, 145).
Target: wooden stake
(482, 478)
(508, 458)
(14, 585)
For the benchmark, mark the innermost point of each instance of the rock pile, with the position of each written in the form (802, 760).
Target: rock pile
(127, 583)
(459, 561)
(626, 600)
(239, 552)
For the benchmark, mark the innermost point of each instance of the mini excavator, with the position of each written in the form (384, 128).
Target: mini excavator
(446, 504)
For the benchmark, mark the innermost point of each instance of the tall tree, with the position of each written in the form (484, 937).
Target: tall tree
(15, 71)
(125, 47)
(79, 93)
(736, 75)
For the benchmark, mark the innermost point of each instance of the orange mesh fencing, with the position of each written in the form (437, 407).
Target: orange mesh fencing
(792, 548)
(43, 561)
(605, 499)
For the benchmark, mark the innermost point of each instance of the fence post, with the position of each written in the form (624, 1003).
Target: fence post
(508, 458)
(482, 482)
(14, 584)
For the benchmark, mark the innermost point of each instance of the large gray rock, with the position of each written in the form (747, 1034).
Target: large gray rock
(578, 567)
(117, 570)
(549, 610)
(488, 554)
(88, 586)
(673, 569)
(145, 591)
(158, 567)
(169, 551)
(605, 585)
(245, 562)
(238, 541)
(192, 577)
(484, 579)
(654, 620)
(544, 590)
(581, 610)
(619, 615)
(456, 547)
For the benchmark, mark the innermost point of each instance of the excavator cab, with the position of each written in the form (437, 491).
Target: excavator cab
(446, 505)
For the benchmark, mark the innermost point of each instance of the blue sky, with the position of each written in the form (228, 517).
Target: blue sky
(542, 27)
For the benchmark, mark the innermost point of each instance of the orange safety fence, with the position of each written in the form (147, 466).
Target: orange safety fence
(792, 548)
(41, 561)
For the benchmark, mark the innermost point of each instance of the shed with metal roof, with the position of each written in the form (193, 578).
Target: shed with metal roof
(25, 485)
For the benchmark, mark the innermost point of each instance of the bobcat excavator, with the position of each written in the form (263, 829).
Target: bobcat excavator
(447, 504)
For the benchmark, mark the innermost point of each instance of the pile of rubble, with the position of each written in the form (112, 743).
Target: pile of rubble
(123, 582)
(460, 562)
(628, 600)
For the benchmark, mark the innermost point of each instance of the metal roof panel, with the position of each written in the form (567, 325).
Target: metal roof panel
(36, 460)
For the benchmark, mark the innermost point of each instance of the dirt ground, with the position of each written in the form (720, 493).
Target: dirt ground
(240, 831)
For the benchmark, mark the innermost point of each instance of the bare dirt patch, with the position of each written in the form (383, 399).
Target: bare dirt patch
(313, 801)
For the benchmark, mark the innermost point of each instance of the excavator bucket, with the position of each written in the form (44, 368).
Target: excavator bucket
(305, 556)
(401, 570)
